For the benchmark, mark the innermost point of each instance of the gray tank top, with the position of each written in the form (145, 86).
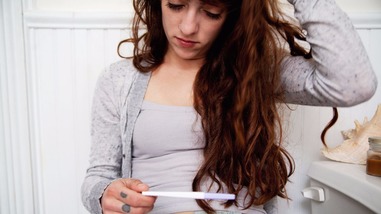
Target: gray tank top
(167, 152)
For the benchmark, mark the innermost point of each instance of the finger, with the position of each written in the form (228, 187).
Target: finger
(120, 207)
(140, 210)
(122, 188)
(126, 191)
(126, 208)
(135, 199)
(112, 205)
(135, 184)
(111, 212)
(115, 206)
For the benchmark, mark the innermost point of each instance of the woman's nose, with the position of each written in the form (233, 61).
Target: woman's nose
(189, 23)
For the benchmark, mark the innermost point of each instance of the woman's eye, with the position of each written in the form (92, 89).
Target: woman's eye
(213, 15)
(175, 7)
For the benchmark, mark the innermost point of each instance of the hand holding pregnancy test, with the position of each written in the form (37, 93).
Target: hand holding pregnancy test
(194, 195)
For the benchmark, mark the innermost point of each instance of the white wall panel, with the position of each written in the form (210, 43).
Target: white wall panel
(64, 65)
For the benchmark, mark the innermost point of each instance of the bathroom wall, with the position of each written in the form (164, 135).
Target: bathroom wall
(365, 6)
(84, 5)
(50, 59)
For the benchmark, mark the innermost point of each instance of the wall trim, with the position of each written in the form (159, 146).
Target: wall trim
(362, 20)
(16, 174)
(77, 20)
(120, 20)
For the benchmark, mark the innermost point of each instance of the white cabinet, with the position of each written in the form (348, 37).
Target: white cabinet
(347, 188)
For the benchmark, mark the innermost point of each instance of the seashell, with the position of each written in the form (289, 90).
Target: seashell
(355, 146)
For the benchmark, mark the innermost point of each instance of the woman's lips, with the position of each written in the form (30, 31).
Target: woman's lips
(186, 43)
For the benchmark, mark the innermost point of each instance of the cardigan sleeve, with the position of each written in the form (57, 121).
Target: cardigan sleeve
(339, 73)
(106, 148)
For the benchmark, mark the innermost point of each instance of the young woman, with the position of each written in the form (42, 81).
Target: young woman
(197, 108)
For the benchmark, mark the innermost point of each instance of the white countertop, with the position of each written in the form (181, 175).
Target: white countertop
(351, 180)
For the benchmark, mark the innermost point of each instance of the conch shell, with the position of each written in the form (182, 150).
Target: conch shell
(355, 146)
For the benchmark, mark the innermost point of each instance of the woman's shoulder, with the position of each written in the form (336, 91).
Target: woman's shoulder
(120, 73)
(121, 69)
(119, 76)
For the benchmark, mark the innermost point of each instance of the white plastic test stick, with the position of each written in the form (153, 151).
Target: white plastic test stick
(194, 195)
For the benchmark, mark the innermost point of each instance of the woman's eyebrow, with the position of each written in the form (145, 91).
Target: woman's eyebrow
(212, 3)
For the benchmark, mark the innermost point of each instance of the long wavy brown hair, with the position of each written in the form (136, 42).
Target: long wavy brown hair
(237, 93)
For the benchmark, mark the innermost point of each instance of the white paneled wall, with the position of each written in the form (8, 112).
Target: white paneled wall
(64, 60)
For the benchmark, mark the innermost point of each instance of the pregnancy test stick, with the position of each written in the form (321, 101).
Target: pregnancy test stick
(194, 195)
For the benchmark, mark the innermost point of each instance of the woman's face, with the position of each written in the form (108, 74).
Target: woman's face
(191, 26)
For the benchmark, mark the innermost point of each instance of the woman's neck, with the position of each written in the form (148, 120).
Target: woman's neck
(183, 65)
(172, 82)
